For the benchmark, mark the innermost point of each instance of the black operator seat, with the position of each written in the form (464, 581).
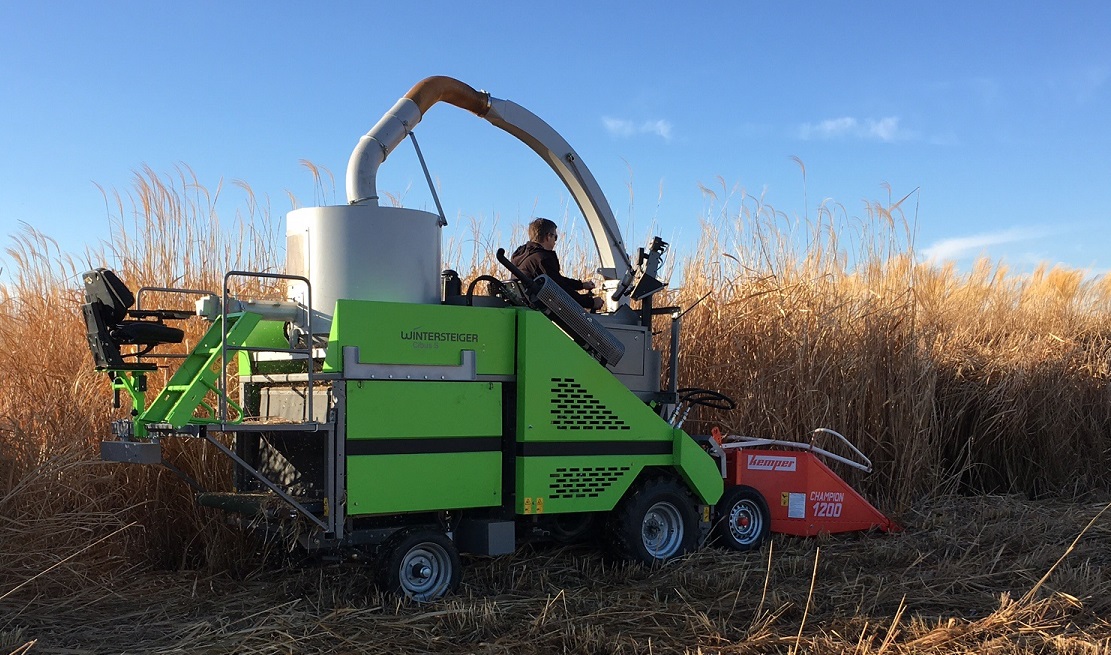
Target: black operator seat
(110, 322)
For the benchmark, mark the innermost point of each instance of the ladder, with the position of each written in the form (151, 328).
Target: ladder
(196, 376)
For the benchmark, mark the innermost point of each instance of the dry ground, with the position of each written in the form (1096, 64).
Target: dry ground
(965, 577)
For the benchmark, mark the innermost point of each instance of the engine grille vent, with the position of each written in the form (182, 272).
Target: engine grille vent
(574, 408)
(584, 482)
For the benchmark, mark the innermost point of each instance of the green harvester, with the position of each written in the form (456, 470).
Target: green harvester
(383, 411)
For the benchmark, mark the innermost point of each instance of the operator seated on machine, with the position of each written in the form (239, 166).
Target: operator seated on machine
(538, 257)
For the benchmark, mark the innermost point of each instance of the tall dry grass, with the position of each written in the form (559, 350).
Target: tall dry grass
(950, 381)
(978, 381)
(55, 499)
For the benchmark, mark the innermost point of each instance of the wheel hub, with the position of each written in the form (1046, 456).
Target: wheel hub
(744, 522)
(425, 571)
(662, 530)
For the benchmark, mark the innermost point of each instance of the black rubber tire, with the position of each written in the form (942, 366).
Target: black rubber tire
(743, 521)
(655, 522)
(568, 529)
(422, 565)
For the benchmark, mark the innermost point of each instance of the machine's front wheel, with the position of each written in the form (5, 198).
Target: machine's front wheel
(657, 522)
(743, 519)
(422, 565)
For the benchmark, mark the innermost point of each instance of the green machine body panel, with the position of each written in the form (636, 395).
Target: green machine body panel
(423, 446)
(578, 483)
(698, 469)
(579, 437)
(430, 335)
(417, 410)
(415, 444)
(389, 484)
(583, 437)
(564, 394)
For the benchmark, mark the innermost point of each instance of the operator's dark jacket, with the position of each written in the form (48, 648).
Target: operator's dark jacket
(534, 259)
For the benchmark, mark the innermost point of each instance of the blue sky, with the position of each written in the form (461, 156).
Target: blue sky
(997, 111)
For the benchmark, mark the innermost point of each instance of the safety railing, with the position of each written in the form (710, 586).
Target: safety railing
(863, 463)
(224, 347)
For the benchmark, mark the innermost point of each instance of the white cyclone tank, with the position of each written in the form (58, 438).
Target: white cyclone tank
(362, 252)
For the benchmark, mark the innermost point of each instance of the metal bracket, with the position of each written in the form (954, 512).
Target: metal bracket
(131, 452)
(427, 176)
(266, 481)
(353, 369)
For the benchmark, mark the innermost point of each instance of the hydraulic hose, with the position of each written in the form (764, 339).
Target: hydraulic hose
(489, 279)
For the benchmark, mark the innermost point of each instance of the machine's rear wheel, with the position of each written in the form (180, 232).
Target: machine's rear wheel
(743, 519)
(657, 522)
(421, 564)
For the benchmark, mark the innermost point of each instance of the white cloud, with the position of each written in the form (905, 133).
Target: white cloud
(974, 245)
(660, 128)
(884, 129)
(619, 127)
(828, 129)
(624, 128)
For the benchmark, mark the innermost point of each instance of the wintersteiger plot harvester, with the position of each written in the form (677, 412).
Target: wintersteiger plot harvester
(383, 410)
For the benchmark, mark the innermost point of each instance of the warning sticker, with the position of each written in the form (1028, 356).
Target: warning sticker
(796, 506)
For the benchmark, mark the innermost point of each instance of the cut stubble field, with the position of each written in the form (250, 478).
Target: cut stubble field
(986, 574)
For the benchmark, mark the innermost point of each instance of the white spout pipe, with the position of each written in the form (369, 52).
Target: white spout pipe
(379, 142)
(374, 147)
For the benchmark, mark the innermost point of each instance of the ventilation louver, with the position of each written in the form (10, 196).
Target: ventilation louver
(574, 408)
(584, 482)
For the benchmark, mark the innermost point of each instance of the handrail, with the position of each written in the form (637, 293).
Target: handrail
(223, 410)
(739, 441)
(194, 292)
(139, 307)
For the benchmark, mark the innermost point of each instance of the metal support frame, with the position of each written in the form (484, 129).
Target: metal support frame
(265, 481)
(337, 464)
(427, 176)
(213, 416)
(756, 442)
(135, 384)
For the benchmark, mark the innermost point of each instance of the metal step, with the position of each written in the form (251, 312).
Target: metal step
(255, 504)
